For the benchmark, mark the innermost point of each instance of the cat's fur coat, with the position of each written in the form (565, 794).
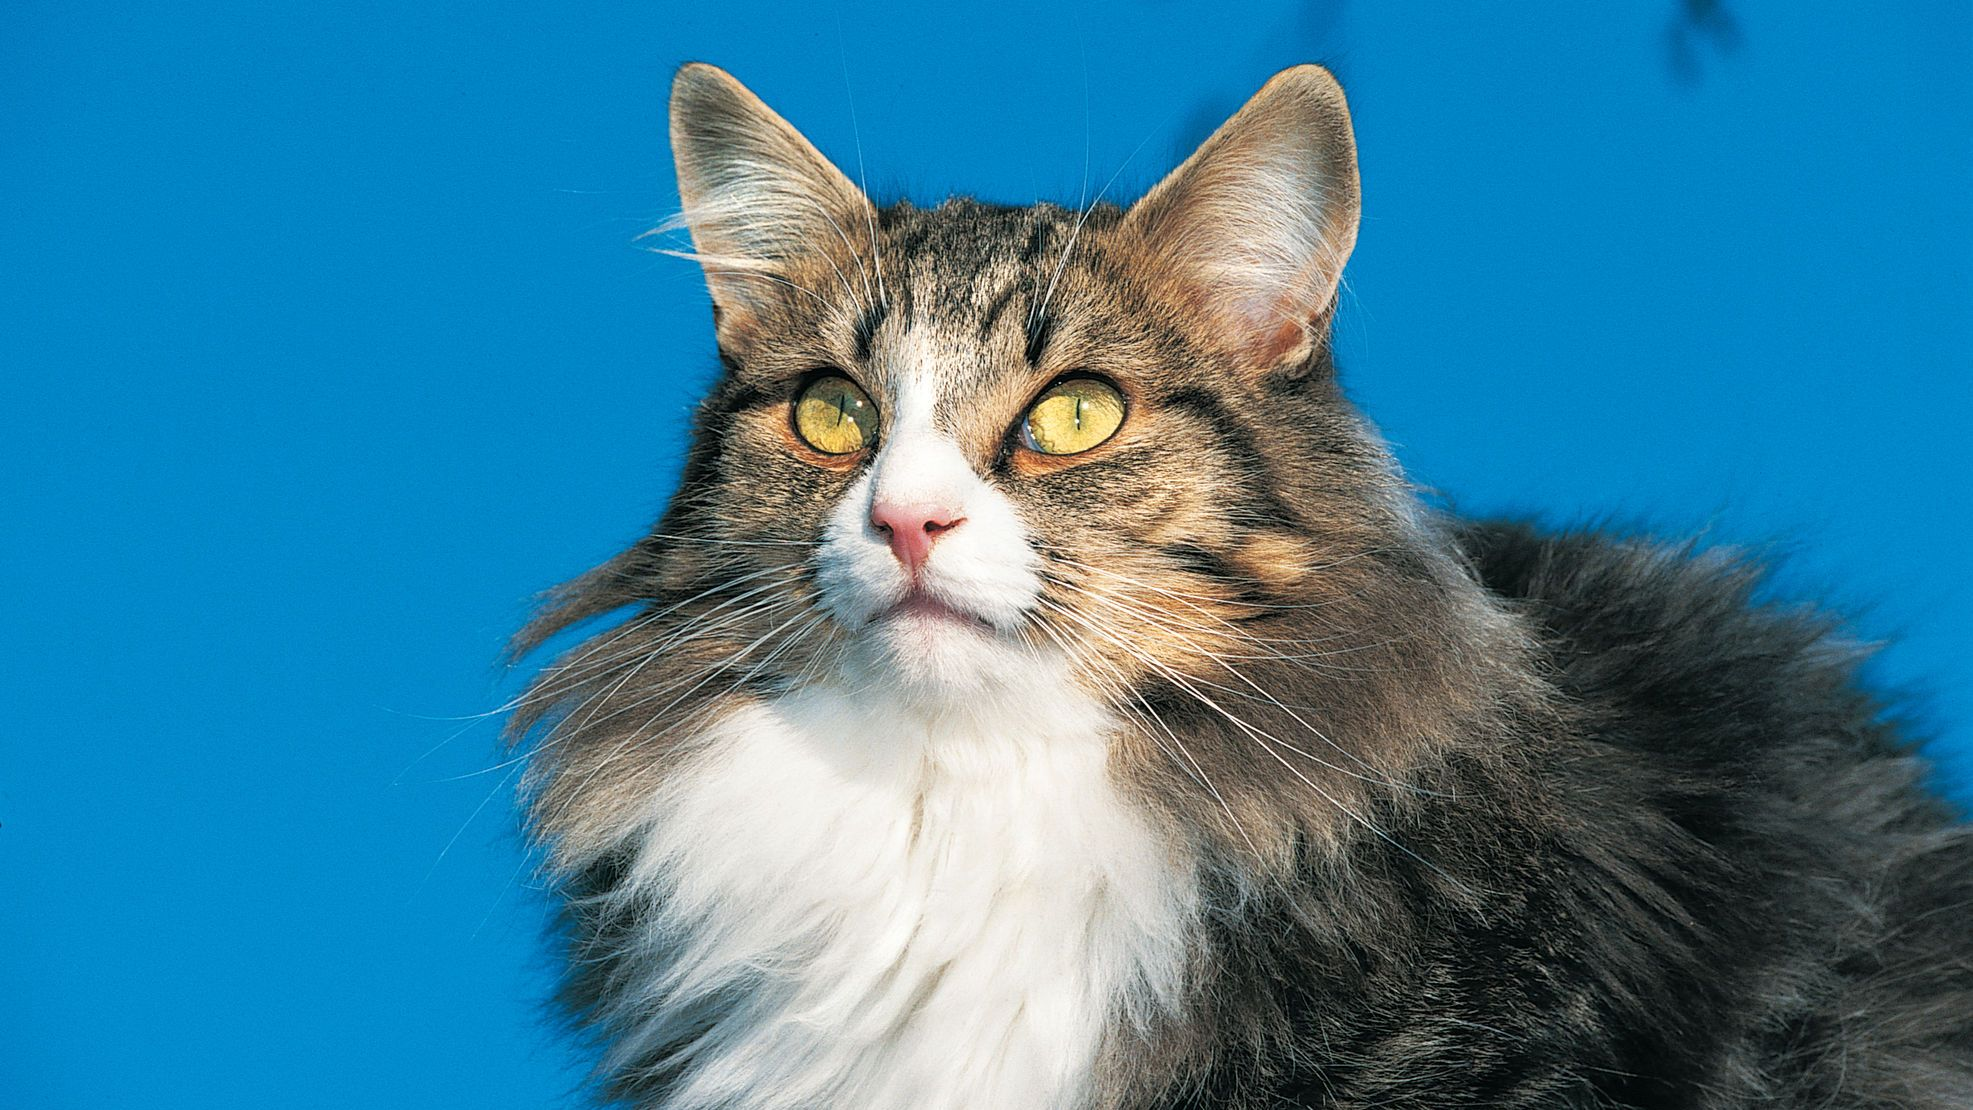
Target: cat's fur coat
(1204, 767)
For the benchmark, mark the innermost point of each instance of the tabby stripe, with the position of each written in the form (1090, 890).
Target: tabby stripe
(1239, 442)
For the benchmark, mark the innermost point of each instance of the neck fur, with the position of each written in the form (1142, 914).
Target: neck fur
(852, 902)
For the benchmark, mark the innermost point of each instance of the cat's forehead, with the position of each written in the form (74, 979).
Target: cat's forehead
(963, 250)
(974, 293)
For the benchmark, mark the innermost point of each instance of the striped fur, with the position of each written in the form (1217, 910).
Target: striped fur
(1239, 779)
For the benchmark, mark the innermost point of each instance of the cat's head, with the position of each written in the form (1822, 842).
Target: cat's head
(956, 448)
(1000, 424)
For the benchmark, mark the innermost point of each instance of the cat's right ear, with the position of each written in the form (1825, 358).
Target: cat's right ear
(1252, 231)
(756, 195)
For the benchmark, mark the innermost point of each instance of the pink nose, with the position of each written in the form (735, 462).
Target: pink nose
(912, 528)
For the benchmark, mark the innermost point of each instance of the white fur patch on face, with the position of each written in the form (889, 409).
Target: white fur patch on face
(984, 569)
(864, 907)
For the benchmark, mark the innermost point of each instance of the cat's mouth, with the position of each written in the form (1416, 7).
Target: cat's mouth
(920, 607)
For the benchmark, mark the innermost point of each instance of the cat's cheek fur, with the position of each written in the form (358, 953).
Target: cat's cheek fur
(853, 907)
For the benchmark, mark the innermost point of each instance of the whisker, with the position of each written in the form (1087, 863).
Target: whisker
(734, 267)
(1186, 761)
(840, 276)
(1041, 308)
(1233, 601)
(564, 676)
(640, 734)
(1262, 737)
(862, 183)
(1263, 696)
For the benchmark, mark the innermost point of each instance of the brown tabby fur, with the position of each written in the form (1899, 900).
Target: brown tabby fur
(1311, 672)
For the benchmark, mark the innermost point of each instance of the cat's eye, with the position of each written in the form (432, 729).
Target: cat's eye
(835, 417)
(1073, 416)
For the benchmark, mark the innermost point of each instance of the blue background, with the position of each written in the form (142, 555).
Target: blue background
(324, 344)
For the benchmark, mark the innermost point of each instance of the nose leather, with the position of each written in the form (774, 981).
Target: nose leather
(912, 528)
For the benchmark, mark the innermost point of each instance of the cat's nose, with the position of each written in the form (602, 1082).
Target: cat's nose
(912, 528)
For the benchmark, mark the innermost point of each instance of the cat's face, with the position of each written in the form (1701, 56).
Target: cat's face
(1013, 434)
(967, 458)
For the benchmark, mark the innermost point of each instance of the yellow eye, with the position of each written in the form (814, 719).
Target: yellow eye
(1074, 416)
(835, 417)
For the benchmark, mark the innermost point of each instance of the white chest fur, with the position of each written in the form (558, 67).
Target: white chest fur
(878, 911)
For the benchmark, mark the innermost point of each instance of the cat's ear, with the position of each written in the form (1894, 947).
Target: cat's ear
(756, 195)
(1253, 229)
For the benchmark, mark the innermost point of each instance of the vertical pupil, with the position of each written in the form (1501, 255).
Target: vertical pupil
(842, 406)
(1078, 412)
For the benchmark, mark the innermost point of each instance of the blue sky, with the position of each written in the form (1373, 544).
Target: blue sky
(325, 344)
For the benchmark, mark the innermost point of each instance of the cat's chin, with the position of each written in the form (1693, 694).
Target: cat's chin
(937, 652)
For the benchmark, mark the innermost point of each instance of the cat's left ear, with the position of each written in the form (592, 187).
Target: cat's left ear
(1253, 229)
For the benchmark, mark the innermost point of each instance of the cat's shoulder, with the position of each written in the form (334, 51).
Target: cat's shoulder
(1679, 632)
(1579, 580)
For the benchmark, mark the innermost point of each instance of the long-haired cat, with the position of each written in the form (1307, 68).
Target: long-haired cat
(1044, 691)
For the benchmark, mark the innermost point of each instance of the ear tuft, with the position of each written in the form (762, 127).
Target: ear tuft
(756, 194)
(1254, 228)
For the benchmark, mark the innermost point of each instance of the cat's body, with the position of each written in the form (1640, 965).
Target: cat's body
(1045, 693)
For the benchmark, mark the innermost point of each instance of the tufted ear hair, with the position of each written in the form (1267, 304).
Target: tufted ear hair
(1253, 229)
(756, 195)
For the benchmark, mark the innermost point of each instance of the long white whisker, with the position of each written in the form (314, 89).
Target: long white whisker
(862, 183)
(729, 267)
(1263, 696)
(470, 818)
(1117, 687)
(840, 276)
(697, 629)
(565, 675)
(639, 734)
(1041, 307)
(1262, 738)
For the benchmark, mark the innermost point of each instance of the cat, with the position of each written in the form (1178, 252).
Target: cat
(1044, 690)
